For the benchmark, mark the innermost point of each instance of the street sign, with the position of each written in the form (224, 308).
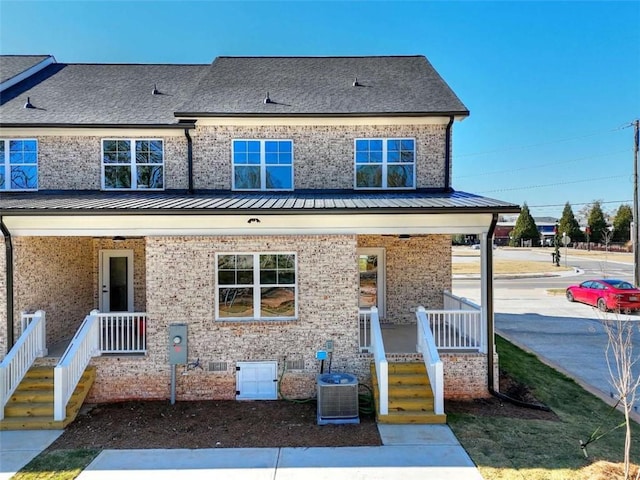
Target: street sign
(566, 240)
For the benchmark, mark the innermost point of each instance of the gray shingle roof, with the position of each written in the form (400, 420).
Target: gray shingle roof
(101, 94)
(110, 94)
(221, 203)
(12, 65)
(323, 86)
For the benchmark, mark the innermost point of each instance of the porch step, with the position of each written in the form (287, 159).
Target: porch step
(410, 396)
(31, 405)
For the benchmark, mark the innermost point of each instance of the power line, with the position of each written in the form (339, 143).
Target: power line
(551, 142)
(533, 167)
(554, 184)
(577, 204)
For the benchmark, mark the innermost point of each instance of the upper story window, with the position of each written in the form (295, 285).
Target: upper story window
(132, 164)
(19, 164)
(385, 163)
(256, 286)
(262, 165)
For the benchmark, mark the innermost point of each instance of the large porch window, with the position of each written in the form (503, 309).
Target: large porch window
(256, 286)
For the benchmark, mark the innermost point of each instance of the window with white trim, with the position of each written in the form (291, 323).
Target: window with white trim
(262, 164)
(252, 286)
(19, 164)
(385, 163)
(132, 164)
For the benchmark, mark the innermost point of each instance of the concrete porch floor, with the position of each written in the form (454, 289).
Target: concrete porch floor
(399, 338)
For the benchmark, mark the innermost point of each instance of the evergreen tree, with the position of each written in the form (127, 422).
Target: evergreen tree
(525, 228)
(622, 224)
(597, 222)
(569, 225)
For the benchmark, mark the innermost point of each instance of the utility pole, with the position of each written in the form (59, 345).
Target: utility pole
(636, 217)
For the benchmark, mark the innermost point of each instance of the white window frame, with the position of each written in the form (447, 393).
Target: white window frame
(5, 164)
(256, 285)
(384, 163)
(263, 165)
(133, 165)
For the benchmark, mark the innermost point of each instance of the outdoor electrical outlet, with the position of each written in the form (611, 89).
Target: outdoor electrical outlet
(329, 346)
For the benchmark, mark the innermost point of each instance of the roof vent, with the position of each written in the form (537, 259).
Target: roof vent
(155, 90)
(267, 99)
(356, 83)
(28, 104)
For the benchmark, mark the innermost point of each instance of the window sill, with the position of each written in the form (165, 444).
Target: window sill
(256, 320)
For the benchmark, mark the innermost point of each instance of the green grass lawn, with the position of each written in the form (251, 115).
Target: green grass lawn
(509, 448)
(57, 465)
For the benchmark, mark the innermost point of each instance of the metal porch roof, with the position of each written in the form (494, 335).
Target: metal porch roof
(230, 203)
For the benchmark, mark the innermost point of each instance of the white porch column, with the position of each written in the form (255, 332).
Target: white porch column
(486, 289)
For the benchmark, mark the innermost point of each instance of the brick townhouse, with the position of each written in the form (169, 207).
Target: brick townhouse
(273, 211)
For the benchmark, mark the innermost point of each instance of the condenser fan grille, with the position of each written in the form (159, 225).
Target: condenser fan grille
(337, 398)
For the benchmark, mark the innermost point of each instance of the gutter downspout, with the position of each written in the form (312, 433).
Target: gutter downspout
(9, 279)
(491, 325)
(189, 160)
(447, 156)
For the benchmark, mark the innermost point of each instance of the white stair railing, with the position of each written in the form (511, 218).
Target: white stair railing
(427, 346)
(123, 332)
(31, 344)
(380, 359)
(76, 358)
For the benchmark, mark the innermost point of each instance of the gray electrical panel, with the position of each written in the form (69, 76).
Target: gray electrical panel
(177, 344)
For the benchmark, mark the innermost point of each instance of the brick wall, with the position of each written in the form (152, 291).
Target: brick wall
(75, 162)
(323, 155)
(54, 274)
(181, 289)
(465, 375)
(418, 269)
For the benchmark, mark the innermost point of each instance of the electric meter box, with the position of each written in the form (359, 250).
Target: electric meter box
(177, 344)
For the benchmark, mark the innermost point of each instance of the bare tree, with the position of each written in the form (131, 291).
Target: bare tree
(621, 361)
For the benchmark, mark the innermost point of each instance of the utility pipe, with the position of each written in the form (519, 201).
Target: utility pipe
(447, 156)
(189, 159)
(8, 245)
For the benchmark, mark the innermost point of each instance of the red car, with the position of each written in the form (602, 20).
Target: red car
(606, 294)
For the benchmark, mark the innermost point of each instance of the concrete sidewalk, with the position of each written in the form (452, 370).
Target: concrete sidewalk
(17, 448)
(409, 451)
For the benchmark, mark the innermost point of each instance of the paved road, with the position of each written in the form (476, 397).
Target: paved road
(568, 335)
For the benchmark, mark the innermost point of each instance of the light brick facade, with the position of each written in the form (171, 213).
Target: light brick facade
(323, 155)
(53, 274)
(75, 163)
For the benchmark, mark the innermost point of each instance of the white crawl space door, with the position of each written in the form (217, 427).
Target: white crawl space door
(257, 381)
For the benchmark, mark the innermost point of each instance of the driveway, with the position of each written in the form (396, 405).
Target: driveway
(568, 336)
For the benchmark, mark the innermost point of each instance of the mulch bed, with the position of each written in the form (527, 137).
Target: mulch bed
(231, 424)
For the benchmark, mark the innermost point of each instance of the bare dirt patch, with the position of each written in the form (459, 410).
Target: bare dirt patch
(495, 407)
(231, 424)
(210, 424)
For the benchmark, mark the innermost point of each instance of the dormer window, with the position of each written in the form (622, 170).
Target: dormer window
(132, 164)
(19, 164)
(262, 164)
(385, 163)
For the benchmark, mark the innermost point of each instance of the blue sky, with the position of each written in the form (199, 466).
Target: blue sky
(551, 86)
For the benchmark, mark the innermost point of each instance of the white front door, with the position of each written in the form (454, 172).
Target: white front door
(256, 381)
(116, 281)
(372, 279)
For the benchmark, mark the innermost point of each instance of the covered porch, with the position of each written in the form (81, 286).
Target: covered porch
(457, 327)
